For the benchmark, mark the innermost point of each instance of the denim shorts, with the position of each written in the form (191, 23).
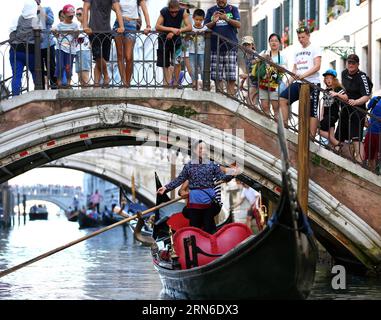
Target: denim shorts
(83, 61)
(129, 25)
(291, 93)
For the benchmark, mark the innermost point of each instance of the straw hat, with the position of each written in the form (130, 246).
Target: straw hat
(186, 3)
(247, 39)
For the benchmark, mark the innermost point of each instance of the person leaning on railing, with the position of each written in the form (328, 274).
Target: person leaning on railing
(250, 61)
(358, 87)
(169, 47)
(48, 61)
(271, 84)
(21, 40)
(197, 46)
(125, 43)
(306, 66)
(99, 31)
(66, 48)
(372, 142)
(331, 108)
(224, 19)
(83, 59)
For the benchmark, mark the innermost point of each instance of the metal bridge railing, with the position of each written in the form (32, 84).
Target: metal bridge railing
(148, 49)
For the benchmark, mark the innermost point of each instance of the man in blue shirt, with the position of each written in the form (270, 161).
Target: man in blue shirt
(372, 139)
(48, 52)
(224, 19)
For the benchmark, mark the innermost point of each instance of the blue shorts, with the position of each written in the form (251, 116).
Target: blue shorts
(129, 28)
(291, 93)
(64, 64)
(83, 61)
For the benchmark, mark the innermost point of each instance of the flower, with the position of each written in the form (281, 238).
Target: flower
(285, 38)
(309, 23)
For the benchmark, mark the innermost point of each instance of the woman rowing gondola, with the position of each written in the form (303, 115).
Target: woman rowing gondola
(201, 173)
(278, 263)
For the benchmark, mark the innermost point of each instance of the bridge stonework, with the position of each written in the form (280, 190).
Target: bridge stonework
(352, 186)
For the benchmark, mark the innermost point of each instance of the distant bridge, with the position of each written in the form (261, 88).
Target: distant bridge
(62, 196)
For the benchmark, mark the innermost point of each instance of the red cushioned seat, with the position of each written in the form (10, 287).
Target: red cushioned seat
(219, 243)
(177, 221)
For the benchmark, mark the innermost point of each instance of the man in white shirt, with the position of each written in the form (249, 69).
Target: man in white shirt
(253, 197)
(307, 61)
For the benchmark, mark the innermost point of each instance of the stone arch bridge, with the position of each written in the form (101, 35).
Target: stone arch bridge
(40, 127)
(62, 196)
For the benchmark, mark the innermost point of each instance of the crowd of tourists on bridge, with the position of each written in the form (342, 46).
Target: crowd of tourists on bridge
(340, 114)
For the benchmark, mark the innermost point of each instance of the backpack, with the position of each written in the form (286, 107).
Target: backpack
(258, 71)
(373, 102)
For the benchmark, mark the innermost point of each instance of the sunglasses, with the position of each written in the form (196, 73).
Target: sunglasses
(301, 30)
(351, 62)
(173, 11)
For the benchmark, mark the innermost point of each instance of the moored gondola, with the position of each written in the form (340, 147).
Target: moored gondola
(278, 263)
(39, 212)
(87, 221)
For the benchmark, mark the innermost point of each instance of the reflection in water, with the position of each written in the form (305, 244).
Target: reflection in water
(108, 267)
(357, 288)
(104, 267)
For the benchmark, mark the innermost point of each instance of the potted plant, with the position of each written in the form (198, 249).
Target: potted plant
(330, 15)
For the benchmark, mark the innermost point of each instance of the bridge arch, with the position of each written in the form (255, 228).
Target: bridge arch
(117, 178)
(61, 204)
(71, 132)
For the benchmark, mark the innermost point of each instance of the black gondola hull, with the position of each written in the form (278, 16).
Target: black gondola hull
(85, 221)
(38, 216)
(277, 264)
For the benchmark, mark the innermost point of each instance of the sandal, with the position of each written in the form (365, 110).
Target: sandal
(337, 148)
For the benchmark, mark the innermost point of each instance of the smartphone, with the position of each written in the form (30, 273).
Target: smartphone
(221, 11)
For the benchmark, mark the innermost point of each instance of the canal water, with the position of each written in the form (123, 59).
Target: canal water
(108, 267)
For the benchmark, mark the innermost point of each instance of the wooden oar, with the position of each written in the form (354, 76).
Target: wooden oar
(47, 254)
(145, 240)
(74, 215)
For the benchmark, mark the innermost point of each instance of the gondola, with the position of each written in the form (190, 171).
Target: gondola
(85, 221)
(38, 213)
(72, 216)
(109, 218)
(277, 263)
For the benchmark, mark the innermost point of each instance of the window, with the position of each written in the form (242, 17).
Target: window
(260, 35)
(309, 14)
(256, 35)
(286, 27)
(336, 8)
(278, 20)
(364, 59)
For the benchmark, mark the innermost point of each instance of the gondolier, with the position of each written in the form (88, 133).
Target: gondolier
(195, 265)
(200, 172)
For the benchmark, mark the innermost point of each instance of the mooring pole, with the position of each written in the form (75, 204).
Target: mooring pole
(303, 146)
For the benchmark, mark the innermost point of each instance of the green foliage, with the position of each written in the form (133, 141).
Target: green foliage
(183, 111)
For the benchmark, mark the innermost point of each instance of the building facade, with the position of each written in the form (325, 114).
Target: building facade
(340, 27)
